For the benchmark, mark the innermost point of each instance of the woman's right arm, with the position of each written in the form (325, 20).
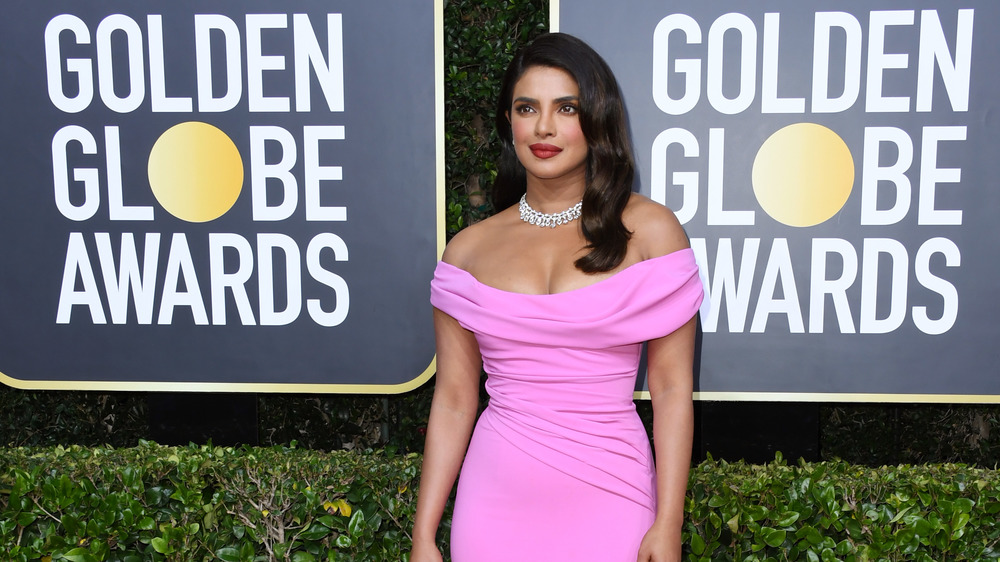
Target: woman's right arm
(452, 416)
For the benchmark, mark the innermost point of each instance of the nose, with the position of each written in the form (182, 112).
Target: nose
(545, 124)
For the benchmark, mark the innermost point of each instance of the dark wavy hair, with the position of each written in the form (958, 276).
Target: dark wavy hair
(610, 163)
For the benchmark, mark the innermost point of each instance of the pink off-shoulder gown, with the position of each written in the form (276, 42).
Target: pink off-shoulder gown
(559, 467)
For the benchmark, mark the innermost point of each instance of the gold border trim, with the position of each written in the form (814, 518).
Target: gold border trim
(837, 397)
(554, 16)
(161, 386)
(439, 124)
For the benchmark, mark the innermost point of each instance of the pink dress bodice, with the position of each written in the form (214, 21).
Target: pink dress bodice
(561, 374)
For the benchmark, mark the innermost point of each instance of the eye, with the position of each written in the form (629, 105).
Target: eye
(569, 109)
(523, 108)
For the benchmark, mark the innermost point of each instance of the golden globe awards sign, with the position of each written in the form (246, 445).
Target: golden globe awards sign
(835, 167)
(219, 195)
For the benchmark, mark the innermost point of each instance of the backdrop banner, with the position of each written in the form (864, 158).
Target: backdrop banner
(219, 194)
(835, 167)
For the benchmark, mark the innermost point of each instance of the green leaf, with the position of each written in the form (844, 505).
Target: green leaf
(946, 507)
(810, 534)
(920, 526)
(756, 512)
(853, 528)
(228, 554)
(161, 545)
(71, 525)
(925, 498)
(900, 515)
(786, 519)
(827, 499)
(697, 544)
(302, 556)
(716, 501)
(79, 555)
(154, 496)
(315, 532)
(773, 537)
(715, 521)
(964, 505)
(906, 541)
(357, 524)
(958, 526)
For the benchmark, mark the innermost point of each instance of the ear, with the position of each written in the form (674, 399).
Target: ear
(507, 115)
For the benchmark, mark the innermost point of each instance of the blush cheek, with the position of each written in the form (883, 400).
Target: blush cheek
(521, 135)
(520, 131)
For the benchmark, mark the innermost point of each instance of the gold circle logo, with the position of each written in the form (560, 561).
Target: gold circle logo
(195, 171)
(803, 174)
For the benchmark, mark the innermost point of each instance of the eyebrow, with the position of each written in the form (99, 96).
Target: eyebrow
(557, 100)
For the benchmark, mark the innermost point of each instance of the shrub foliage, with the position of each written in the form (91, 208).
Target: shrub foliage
(204, 503)
(838, 511)
(260, 504)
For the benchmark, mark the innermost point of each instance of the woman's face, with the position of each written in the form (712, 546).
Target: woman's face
(545, 125)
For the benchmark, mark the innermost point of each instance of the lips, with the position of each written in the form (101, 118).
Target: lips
(542, 150)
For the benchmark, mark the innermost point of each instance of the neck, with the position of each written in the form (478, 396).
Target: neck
(553, 196)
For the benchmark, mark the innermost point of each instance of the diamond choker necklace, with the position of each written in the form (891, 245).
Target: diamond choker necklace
(550, 220)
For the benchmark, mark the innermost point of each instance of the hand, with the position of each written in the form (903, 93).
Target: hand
(660, 545)
(425, 552)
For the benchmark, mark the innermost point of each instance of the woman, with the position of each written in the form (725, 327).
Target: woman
(553, 296)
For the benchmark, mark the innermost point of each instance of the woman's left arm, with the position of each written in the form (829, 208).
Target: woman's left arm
(670, 377)
(670, 366)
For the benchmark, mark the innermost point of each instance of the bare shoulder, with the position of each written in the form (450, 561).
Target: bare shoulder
(462, 245)
(470, 241)
(655, 229)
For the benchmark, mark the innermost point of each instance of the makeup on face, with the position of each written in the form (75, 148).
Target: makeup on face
(545, 124)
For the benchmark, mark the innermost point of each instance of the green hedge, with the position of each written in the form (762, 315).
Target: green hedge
(212, 503)
(838, 511)
(204, 503)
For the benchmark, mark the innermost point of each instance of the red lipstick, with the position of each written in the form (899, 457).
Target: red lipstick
(542, 150)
